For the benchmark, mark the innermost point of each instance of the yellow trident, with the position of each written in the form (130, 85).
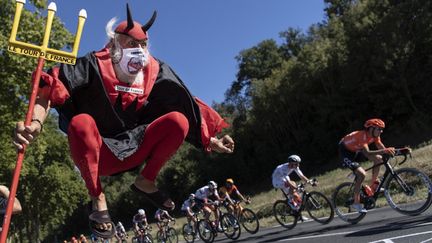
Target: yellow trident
(41, 52)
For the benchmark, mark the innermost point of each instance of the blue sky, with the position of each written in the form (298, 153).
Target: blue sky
(199, 39)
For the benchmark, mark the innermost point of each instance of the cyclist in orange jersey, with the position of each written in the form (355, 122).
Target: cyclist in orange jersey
(230, 194)
(354, 148)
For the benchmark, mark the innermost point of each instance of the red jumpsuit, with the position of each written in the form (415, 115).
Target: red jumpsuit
(113, 127)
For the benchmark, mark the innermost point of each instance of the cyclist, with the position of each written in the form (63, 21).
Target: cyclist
(230, 194)
(281, 180)
(160, 216)
(354, 148)
(189, 207)
(139, 221)
(120, 232)
(204, 197)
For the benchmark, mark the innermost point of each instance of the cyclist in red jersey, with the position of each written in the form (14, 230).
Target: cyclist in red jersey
(354, 148)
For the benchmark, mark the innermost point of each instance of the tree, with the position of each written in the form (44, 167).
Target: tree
(49, 188)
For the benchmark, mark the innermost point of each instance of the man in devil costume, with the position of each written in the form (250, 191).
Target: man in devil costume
(120, 107)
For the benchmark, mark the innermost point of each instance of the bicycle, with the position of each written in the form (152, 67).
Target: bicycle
(143, 235)
(189, 229)
(247, 217)
(315, 203)
(228, 223)
(407, 190)
(168, 233)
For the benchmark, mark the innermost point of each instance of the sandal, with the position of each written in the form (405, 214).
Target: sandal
(157, 198)
(97, 218)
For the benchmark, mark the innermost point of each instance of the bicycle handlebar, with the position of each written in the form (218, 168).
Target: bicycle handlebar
(301, 186)
(405, 152)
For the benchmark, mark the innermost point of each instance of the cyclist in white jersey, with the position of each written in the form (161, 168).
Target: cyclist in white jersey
(160, 216)
(281, 179)
(139, 221)
(204, 196)
(188, 208)
(120, 232)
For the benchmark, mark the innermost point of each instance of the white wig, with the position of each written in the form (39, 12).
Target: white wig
(109, 28)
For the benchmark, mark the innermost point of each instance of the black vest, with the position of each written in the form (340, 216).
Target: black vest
(123, 130)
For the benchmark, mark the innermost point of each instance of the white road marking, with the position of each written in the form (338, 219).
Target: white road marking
(388, 240)
(316, 236)
(428, 240)
(402, 236)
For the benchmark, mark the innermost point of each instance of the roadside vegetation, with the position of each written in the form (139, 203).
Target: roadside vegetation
(296, 95)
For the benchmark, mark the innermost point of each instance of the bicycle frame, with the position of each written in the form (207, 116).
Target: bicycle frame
(300, 189)
(165, 228)
(389, 171)
(194, 225)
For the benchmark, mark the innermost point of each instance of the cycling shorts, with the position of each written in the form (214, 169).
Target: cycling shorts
(199, 203)
(280, 183)
(194, 209)
(350, 159)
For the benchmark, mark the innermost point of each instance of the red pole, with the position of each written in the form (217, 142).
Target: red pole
(20, 156)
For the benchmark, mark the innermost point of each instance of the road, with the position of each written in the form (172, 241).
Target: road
(382, 225)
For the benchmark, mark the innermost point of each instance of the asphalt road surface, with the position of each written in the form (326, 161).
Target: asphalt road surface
(382, 225)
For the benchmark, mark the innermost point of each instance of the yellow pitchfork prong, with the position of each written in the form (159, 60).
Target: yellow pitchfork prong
(44, 51)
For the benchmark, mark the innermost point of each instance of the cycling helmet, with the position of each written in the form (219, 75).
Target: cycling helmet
(230, 181)
(141, 212)
(294, 159)
(375, 122)
(212, 185)
(191, 196)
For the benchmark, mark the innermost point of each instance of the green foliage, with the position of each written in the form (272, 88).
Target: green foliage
(368, 59)
(49, 187)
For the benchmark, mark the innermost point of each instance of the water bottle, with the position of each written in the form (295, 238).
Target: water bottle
(367, 190)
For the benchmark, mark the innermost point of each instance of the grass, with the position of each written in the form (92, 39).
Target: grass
(262, 203)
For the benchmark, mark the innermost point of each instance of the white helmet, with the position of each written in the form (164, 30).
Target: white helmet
(212, 185)
(192, 196)
(294, 159)
(141, 212)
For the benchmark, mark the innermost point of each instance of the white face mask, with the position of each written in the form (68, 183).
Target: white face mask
(133, 60)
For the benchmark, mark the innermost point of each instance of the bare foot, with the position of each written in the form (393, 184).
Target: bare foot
(99, 204)
(148, 186)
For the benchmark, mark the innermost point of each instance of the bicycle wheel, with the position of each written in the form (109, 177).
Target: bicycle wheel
(319, 207)
(284, 214)
(171, 235)
(147, 238)
(160, 237)
(249, 221)
(188, 233)
(409, 191)
(230, 226)
(343, 198)
(205, 231)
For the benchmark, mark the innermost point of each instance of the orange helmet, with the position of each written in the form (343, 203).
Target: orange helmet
(375, 122)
